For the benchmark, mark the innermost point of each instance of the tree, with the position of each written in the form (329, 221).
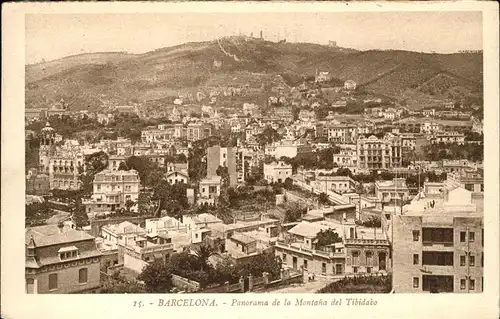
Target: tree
(372, 222)
(264, 262)
(294, 213)
(157, 276)
(323, 199)
(94, 163)
(129, 204)
(327, 237)
(79, 216)
(204, 252)
(268, 136)
(123, 167)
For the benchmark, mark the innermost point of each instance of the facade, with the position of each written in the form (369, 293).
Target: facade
(379, 153)
(225, 157)
(395, 190)
(472, 180)
(112, 190)
(438, 244)
(448, 138)
(288, 149)
(209, 190)
(338, 184)
(177, 173)
(60, 260)
(277, 172)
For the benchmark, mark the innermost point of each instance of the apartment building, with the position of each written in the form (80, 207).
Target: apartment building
(438, 244)
(225, 157)
(60, 259)
(379, 153)
(177, 173)
(112, 189)
(448, 138)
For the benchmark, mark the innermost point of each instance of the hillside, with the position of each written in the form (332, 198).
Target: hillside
(92, 79)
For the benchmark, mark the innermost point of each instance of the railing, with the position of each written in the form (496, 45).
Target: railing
(360, 241)
(309, 251)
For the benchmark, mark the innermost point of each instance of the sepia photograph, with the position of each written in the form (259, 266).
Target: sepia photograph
(212, 153)
(324, 160)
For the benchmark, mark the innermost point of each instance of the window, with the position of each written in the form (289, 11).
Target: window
(472, 236)
(462, 284)
(52, 281)
(462, 260)
(415, 259)
(323, 268)
(472, 261)
(416, 235)
(472, 284)
(369, 270)
(284, 258)
(82, 276)
(462, 237)
(305, 264)
(415, 282)
(355, 270)
(355, 257)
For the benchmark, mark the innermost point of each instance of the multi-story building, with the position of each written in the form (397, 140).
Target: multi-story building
(209, 190)
(338, 133)
(63, 164)
(379, 153)
(395, 190)
(112, 190)
(438, 244)
(168, 132)
(448, 138)
(277, 172)
(358, 251)
(430, 127)
(60, 259)
(225, 157)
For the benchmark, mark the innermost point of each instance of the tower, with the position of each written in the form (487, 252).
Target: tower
(47, 145)
(47, 135)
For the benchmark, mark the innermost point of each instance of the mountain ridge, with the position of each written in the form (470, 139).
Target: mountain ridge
(168, 71)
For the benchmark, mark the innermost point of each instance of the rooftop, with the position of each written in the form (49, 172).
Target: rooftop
(311, 230)
(242, 238)
(48, 235)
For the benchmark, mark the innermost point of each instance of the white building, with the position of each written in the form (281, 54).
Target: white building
(112, 190)
(277, 172)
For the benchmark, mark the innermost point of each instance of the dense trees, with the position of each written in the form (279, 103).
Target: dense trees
(294, 213)
(37, 213)
(268, 136)
(157, 276)
(173, 198)
(94, 163)
(327, 237)
(436, 152)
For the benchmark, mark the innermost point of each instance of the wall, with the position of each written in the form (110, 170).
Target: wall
(185, 284)
(96, 224)
(133, 263)
(67, 278)
(404, 248)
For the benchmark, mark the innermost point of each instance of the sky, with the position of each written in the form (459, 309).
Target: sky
(52, 36)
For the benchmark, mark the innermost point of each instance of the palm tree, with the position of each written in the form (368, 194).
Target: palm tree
(203, 252)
